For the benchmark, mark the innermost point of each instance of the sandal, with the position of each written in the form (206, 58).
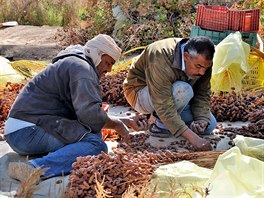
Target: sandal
(155, 131)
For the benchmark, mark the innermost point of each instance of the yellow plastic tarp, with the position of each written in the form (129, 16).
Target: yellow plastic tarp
(236, 175)
(230, 63)
(253, 147)
(8, 73)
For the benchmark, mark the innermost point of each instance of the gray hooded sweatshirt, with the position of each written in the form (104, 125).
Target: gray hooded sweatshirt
(64, 99)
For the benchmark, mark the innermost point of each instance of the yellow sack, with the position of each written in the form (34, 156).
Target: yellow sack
(124, 63)
(230, 63)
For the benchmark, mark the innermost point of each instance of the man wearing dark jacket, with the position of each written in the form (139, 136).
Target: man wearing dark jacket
(59, 112)
(171, 81)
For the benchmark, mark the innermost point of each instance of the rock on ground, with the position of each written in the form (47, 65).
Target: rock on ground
(28, 42)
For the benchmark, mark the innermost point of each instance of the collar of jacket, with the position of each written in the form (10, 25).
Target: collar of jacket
(177, 59)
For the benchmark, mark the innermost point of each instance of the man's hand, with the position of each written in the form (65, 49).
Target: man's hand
(198, 126)
(197, 142)
(121, 129)
(201, 144)
(118, 126)
(138, 122)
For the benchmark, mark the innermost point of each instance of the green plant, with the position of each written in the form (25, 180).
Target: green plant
(99, 18)
(39, 12)
(53, 15)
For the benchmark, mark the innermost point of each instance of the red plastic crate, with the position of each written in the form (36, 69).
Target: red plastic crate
(235, 21)
(213, 17)
(245, 20)
(221, 18)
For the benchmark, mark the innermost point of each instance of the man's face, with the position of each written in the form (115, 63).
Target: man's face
(105, 65)
(195, 67)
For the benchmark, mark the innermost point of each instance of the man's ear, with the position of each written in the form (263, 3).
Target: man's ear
(186, 55)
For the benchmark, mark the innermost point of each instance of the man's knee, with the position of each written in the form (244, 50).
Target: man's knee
(144, 104)
(104, 147)
(182, 93)
(95, 141)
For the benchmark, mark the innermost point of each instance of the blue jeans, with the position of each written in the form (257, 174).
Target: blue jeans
(58, 157)
(182, 93)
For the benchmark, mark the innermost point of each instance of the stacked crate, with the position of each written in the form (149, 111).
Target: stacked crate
(217, 22)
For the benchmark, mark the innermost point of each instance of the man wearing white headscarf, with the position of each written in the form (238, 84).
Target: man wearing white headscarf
(59, 112)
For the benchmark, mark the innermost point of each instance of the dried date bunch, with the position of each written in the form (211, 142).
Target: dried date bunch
(235, 106)
(7, 98)
(117, 171)
(255, 130)
(112, 88)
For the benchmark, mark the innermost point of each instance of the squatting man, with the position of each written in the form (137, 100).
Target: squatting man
(171, 81)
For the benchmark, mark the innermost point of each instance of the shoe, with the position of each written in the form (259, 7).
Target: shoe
(20, 171)
(155, 131)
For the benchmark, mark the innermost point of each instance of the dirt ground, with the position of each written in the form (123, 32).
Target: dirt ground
(28, 42)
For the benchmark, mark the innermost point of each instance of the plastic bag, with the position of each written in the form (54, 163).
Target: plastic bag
(250, 146)
(181, 179)
(230, 63)
(236, 175)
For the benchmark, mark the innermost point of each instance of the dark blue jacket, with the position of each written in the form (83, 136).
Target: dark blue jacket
(64, 99)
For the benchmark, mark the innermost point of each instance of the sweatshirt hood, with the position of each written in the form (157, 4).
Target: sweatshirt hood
(75, 50)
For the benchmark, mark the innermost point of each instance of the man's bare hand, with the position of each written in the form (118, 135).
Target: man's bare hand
(197, 142)
(138, 122)
(118, 126)
(202, 145)
(122, 130)
(198, 126)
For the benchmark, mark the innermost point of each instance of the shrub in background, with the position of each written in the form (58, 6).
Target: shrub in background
(39, 12)
(144, 21)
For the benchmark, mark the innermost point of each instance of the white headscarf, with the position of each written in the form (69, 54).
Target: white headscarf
(102, 44)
